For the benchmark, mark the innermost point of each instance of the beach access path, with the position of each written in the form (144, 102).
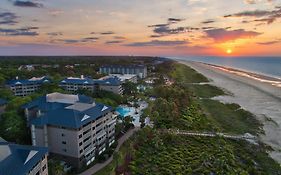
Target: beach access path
(260, 98)
(97, 167)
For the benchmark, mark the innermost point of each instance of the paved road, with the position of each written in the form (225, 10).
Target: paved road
(100, 166)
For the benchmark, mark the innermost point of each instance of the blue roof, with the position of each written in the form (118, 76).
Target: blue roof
(28, 81)
(19, 159)
(111, 81)
(83, 81)
(66, 114)
(3, 101)
(71, 118)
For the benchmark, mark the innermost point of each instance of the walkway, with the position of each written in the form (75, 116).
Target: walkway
(100, 166)
(247, 137)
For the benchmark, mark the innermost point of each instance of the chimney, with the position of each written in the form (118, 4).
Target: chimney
(17, 77)
(82, 76)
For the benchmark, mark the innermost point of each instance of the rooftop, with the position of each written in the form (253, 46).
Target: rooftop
(114, 81)
(124, 66)
(33, 80)
(19, 159)
(72, 111)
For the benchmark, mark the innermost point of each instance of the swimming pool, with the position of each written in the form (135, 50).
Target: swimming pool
(123, 111)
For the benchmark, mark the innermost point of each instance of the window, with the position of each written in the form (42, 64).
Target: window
(62, 135)
(80, 136)
(85, 132)
(80, 143)
(63, 142)
(86, 139)
(81, 151)
(44, 167)
(64, 150)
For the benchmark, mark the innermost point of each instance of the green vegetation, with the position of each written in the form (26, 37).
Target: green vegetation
(231, 118)
(184, 74)
(13, 124)
(205, 91)
(158, 153)
(118, 159)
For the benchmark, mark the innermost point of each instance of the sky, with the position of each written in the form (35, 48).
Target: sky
(141, 27)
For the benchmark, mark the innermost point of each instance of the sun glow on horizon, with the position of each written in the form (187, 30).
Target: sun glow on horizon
(229, 51)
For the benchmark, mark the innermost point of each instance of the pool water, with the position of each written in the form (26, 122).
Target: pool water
(123, 111)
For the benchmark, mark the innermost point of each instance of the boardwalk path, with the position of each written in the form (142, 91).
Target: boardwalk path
(248, 137)
(100, 166)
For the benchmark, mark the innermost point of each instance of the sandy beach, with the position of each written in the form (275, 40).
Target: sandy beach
(254, 93)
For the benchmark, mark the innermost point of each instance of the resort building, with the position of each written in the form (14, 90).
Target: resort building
(112, 84)
(74, 127)
(23, 87)
(139, 70)
(20, 159)
(125, 77)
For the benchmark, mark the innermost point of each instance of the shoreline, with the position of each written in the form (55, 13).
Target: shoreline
(257, 96)
(257, 76)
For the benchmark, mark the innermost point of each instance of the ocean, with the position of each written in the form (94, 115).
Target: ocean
(269, 66)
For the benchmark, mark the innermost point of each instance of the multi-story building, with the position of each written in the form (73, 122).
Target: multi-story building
(112, 84)
(20, 159)
(23, 87)
(125, 77)
(139, 70)
(73, 127)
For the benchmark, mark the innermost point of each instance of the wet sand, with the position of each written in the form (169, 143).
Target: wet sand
(258, 95)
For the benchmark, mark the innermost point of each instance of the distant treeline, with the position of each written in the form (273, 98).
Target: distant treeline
(66, 60)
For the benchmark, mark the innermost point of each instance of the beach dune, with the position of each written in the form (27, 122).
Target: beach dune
(259, 96)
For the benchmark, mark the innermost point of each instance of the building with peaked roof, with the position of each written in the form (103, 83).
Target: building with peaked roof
(124, 77)
(112, 84)
(23, 87)
(20, 159)
(74, 127)
(139, 70)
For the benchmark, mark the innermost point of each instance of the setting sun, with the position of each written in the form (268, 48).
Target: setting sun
(229, 51)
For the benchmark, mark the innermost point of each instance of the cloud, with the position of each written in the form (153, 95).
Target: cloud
(158, 43)
(8, 18)
(119, 37)
(166, 29)
(55, 34)
(28, 31)
(250, 1)
(82, 40)
(21, 3)
(114, 42)
(208, 21)
(223, 35)
(269, 42)
(174, 20)
(107, 33)
(266, 16)
(254, 1)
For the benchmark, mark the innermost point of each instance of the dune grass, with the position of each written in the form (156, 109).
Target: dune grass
(230, 118)
(184, 74)
(205, 91)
